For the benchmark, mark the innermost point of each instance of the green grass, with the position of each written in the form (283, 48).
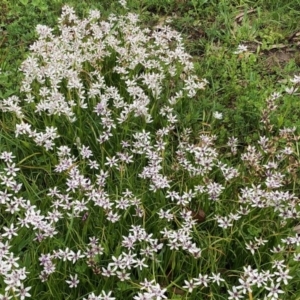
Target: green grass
(258, 199)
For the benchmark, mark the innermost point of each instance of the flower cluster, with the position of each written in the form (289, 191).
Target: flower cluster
(119, 202)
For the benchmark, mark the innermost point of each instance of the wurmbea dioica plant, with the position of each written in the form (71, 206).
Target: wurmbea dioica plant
(121, 211)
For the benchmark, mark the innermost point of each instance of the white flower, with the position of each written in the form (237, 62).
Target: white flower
(23, 292)
(10, 232)
(224, 222)
(140, 263)
(107, 296)
(296, 257)
(291, 90)
(283, 276)
(189, 285)
(5, 296)
(274, 290)
(123, 3)
(234, 294)
(217, 115)
(296, 79)
(251, 246)
(216, 278)
(245, 286)
(73, 282)
(202, 280)
(241, 48)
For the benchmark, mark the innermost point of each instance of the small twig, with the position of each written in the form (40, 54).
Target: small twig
(278, 46)
(293, 36)
(240, 16)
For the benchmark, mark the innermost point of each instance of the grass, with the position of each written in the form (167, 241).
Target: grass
(202, 208)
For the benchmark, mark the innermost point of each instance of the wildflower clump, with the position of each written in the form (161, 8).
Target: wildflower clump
(106, 199)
